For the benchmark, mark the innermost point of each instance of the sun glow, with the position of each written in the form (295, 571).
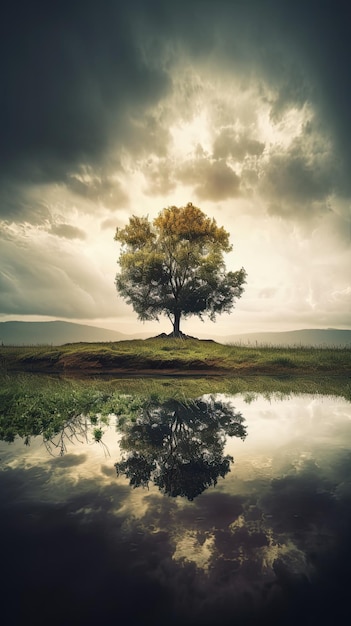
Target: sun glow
(193, 136)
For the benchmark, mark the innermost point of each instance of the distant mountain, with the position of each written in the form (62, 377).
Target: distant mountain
(328, 337)
(54, 333)
(57, 333)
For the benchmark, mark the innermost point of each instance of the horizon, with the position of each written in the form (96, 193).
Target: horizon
(258, 332)
(240, 108)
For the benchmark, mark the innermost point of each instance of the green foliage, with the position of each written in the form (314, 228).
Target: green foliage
(97, 433)
(175, 266)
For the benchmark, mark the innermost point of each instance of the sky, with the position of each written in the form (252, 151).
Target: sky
(109, 110)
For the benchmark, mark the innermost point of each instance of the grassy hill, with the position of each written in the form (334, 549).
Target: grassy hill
(175, 356)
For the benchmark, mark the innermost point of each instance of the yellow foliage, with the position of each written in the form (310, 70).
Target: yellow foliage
(191, 223)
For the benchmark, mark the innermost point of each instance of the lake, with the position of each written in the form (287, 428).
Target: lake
(226, 510)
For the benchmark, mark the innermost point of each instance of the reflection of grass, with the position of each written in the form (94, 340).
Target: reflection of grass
(176, 355)
(41, 405)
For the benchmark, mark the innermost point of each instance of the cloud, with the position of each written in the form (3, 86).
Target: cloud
(73, 83)
(68, 461)
(228, 143)
(297, 180)
(66, 282)
(98, 187)
(99, 64)
(67, 231)
(318, 40)
(19, 202)
(212, 180)
(161, 176)
(106, 74)
(119, 109)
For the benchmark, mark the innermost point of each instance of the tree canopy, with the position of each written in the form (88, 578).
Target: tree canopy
(174, 265)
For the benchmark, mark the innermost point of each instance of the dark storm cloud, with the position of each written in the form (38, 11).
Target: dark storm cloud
(299, 178)
(319, 37)
(300, 50)
(72, 76)
(16, 202)
(79, 77)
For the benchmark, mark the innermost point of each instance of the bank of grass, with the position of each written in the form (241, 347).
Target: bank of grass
(179, 356)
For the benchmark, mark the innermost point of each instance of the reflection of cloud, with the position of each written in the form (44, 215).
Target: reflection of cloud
(270, 542)
(69, 460)
(212, 510)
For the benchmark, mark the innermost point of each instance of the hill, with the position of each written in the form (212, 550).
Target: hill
(167, 356)
(54, 333)
(58, 333)
(328, 337)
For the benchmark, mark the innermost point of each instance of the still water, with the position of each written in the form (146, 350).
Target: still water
(233, 510)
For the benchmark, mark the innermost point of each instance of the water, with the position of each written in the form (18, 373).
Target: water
(242, 516)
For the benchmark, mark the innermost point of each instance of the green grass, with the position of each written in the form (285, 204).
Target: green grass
(38, 404)
(177, 355)
(59, 392)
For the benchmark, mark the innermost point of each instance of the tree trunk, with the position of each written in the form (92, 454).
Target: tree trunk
(176, 323)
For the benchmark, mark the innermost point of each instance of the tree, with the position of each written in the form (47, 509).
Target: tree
(175, 266)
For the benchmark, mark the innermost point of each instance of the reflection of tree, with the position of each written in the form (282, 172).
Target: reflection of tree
(76, 430)
(179, 446)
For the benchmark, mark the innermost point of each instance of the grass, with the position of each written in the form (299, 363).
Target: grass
(97, 395)
(39, 404)
(42, 389)
(176, 356)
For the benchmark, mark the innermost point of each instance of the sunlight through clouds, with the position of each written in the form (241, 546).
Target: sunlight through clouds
(239, 114)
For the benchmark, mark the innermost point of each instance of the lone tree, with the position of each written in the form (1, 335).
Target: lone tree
(175, 266)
